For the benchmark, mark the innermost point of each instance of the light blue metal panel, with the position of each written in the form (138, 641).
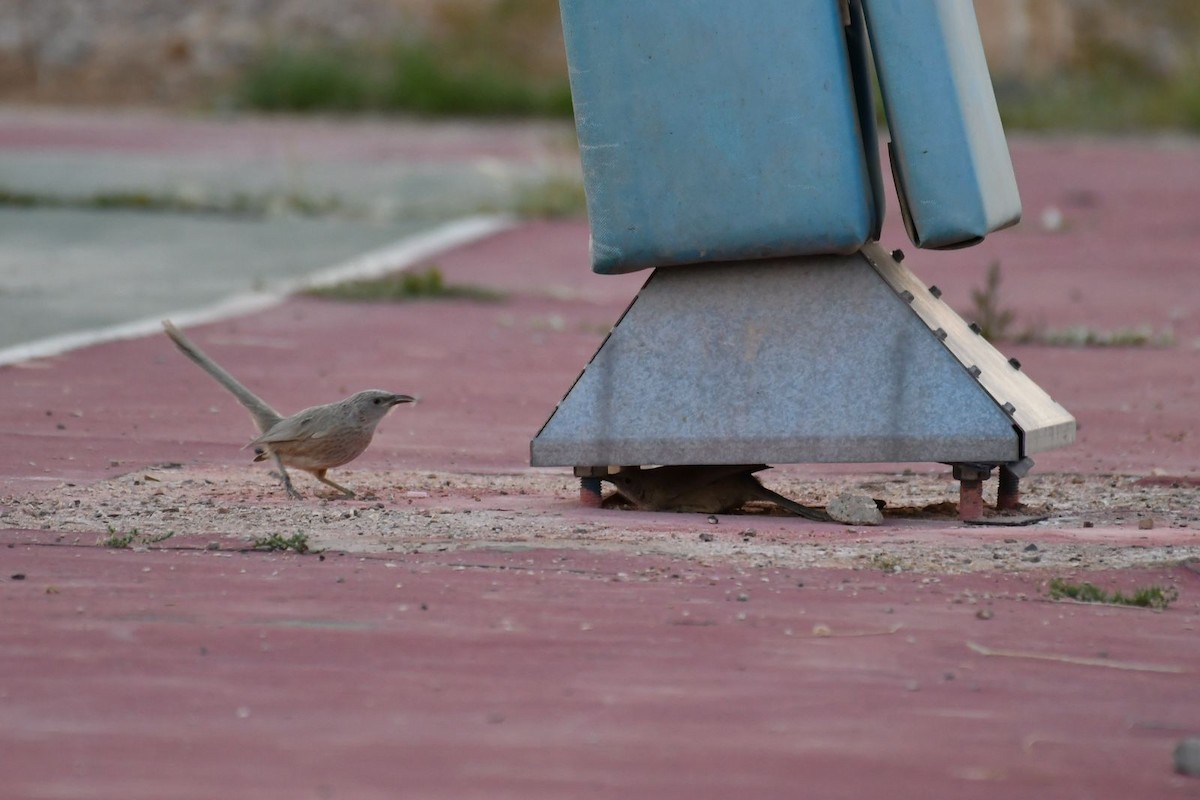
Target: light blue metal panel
(712, 130)
(949, 156)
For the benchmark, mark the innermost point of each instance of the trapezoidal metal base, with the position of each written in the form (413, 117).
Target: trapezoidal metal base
(815, 359)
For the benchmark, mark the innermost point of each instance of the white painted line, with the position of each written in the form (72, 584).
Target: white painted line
(392, 258)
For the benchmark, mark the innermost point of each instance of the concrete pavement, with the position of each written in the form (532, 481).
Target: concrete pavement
(281, 199)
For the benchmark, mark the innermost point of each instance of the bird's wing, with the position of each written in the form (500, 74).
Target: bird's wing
(297, 428)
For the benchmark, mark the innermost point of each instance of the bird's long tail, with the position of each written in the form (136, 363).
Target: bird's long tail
(815, 514)
(264, 416)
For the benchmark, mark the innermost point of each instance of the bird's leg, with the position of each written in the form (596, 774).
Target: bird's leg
(319, 474)
(287, 482)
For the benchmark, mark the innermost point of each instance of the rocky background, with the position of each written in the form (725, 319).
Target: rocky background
(183, 52)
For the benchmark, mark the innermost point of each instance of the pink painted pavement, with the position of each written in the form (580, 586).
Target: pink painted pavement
(545, 673)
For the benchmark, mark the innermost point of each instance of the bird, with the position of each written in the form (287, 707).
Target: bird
(314, 440)
(702, 489)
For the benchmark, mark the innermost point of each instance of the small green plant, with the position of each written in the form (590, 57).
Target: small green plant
(1083, 336)
(297, 542)
(240, 205)
(123, 541)
(885, 562)
(501, 58)
(553, 198)
(1103, 100)
(431, 80)
(426, 285)
(1143, 597)
(306, 80)
(120, 541)
(993, 320)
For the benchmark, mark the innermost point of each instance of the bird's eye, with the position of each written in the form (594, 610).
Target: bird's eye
(377, 401)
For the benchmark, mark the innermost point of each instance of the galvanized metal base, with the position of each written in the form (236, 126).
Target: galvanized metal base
(815, 359)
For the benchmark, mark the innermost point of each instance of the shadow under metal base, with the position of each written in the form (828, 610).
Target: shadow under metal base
(815, 359)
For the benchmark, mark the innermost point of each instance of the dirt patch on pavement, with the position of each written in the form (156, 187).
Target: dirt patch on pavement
(1093, 522)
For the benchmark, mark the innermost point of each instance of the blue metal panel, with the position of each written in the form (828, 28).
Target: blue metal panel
(949, 156)
(712, 130)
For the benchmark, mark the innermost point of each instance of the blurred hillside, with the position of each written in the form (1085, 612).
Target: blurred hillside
(1107, 64)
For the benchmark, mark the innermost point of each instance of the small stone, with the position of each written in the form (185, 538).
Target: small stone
(1031, 547)
(854, 509)
(712, 519)
(983, 613)
(1146, 524)
(1087, 523)
(213, 546)
(18, 576)
(1187, 756)
(743, 597)
(707, 537)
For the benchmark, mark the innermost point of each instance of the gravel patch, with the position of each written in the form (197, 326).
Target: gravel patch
(1093, 522)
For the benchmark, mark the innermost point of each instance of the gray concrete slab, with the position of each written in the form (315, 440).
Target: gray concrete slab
(65, 271)
(319, 193)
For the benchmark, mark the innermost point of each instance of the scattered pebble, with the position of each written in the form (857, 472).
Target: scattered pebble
(1052, 219)
(18, 576)
(707, 537)
(854, 509)
(1146, 524)
(1031, 547)
(1187, 756)
(984, 613)
(712, 519)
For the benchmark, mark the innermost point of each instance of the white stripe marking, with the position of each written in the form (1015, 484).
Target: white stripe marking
(399, 256)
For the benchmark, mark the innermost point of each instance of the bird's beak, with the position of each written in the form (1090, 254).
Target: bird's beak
(402, 398)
